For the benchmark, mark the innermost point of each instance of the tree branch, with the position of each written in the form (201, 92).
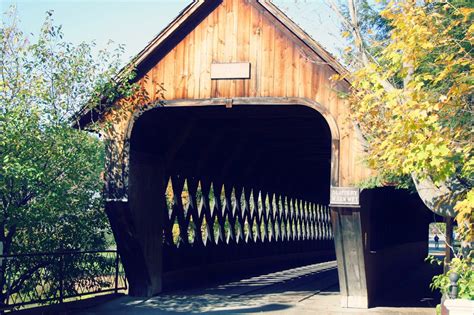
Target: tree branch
(17, 284)
(353, 26)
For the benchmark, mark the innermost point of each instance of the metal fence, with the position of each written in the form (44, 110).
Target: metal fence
(47, 278)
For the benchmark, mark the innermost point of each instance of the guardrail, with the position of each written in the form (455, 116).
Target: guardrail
(36, 279)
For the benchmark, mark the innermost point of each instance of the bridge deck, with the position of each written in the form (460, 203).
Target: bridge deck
(311, 289)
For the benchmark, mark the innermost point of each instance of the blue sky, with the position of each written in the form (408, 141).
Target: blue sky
(135, 23)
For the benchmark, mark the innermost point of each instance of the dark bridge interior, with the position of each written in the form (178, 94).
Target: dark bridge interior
(246, 187)
(284, 149)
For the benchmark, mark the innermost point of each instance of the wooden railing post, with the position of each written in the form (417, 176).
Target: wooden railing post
(449, 243)
(116, 271)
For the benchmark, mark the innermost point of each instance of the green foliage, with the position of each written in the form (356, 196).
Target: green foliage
(401, 181)
(419, 127)
(412, 95)
(465, 283)
(438, 227)
(50, 175)
(412, 98)
(374, 28)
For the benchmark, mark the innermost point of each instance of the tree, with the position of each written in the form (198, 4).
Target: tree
(412, 96)
(413, 99)
(50, 176)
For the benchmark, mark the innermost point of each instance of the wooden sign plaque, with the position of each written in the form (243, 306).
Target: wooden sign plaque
(235, 70)
(344, 197)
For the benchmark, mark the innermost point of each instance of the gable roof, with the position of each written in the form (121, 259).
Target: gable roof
(184, 23)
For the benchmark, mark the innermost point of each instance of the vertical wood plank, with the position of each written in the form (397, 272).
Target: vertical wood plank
(224, 51)
(188, 67)
(268, 32)
(180, 64)
(300, 69)
(159, 72)
(243, 44)
(153, 87)
(278, 65)
(307, 77)
(330, 95)
(196, 58)
(233, 21)
(146, 83)
(217, 52)
(226, 24)
(169, 73)
(207, 56)
(288, 71)
(190, 79)
(255, 46)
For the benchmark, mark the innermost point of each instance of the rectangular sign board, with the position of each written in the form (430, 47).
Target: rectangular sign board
(344, 197)
(235, 70)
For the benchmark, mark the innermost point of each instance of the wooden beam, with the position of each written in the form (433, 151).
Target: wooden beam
(275, 101)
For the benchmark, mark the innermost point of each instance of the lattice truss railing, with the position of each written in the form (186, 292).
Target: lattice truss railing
(203, 213)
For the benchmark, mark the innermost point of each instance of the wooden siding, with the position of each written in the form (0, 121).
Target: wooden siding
(281, 66)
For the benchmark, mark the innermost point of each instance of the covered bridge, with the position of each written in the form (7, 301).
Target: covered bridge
(227, 157)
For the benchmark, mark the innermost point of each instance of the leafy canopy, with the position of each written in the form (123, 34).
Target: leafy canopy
(412, 94)
(50, 174)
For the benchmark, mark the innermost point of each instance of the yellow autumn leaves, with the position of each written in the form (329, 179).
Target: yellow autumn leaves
(422, 123)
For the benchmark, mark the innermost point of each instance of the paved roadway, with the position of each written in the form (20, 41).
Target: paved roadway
(311, 289)
(432, 250)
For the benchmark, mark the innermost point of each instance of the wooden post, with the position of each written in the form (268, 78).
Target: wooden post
(449, 241)
(147, 207)
(116, 271)
(137, 224)
(350, 257)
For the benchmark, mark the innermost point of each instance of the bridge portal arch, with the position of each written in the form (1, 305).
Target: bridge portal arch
(276, 102)
(255, 176)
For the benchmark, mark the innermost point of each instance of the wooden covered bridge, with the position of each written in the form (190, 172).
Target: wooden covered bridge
(227, 158)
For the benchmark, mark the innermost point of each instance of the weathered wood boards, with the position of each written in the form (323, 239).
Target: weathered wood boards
(281, 63)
